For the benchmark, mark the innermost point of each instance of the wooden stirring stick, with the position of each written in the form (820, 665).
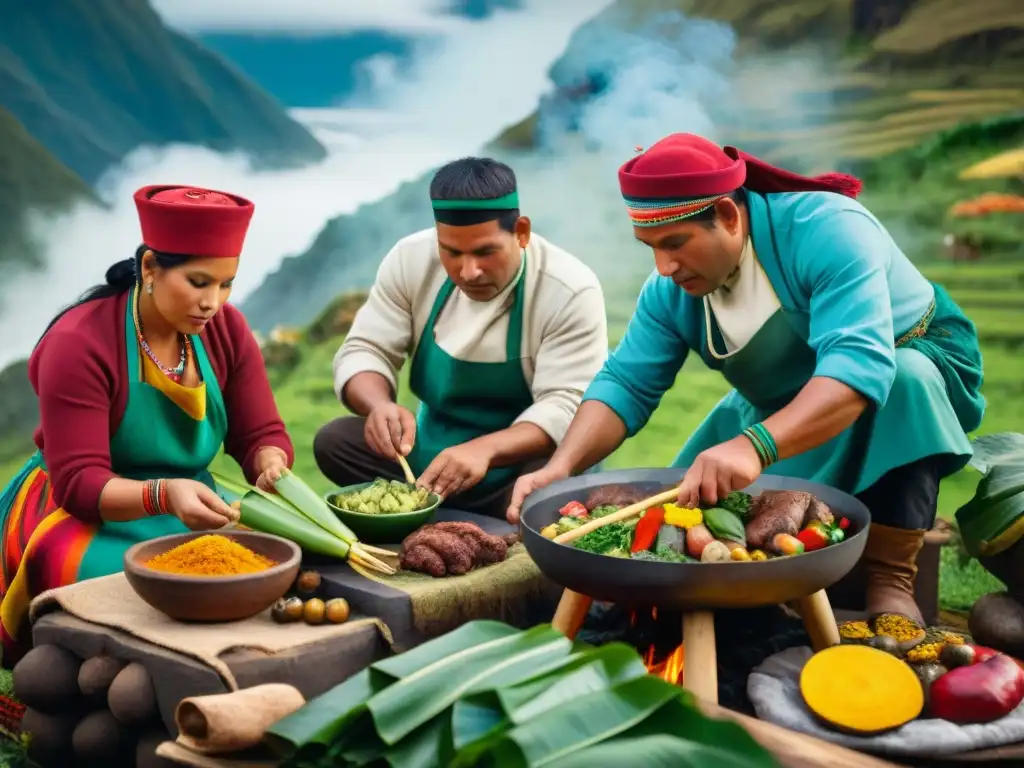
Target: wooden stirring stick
(410, 478)
(617, 517)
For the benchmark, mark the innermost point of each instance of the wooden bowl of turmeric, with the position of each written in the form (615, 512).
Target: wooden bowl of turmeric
(212, 576)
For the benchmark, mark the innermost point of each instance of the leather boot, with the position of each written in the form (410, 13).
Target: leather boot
(890, 559)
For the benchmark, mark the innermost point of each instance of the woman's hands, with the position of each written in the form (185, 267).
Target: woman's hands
(197, 505)
(270, 462)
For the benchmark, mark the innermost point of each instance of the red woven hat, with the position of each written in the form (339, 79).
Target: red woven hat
(683, 166)
(193, 221)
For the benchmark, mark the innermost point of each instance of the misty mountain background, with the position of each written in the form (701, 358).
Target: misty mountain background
(332, 117)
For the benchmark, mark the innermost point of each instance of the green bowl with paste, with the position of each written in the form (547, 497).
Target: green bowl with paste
(387, 527)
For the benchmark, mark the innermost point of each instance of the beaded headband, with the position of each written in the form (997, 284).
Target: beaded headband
(654, 213)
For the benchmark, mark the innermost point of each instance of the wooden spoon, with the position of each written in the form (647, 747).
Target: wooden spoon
(617, 517)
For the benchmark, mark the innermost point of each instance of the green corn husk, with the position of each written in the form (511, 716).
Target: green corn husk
(230, 488)
(293, 490)
(490, 696)
(261, 512)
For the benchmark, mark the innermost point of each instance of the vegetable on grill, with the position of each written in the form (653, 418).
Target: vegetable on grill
(647, 529)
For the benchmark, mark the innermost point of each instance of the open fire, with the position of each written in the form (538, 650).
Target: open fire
(662, 655)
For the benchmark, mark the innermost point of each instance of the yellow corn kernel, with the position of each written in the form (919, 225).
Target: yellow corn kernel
(740, 554)
(758, 555)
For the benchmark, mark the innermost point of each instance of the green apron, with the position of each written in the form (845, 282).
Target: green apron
(769, 371)
(155, 439)
(461, 401)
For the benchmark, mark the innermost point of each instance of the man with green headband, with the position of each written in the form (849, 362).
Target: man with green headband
(503, 331)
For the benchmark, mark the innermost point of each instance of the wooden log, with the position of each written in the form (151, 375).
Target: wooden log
(796, 750)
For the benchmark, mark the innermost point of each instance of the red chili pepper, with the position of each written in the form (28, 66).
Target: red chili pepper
(647, 529)
(574, 509)
(844, 523)
(813, 537)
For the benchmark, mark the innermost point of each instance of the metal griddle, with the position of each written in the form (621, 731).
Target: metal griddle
(695, 588)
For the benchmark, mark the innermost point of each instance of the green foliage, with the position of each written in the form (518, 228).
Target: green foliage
(30, 178)
(999, 499)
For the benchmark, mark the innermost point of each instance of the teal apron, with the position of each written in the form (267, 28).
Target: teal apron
(156, 439)
(461, 401)
(769, 371)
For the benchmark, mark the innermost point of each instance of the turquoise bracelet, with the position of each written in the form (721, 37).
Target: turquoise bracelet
(762, 452)
(763, 443)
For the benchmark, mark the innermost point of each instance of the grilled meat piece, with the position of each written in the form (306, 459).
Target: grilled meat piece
(487, 548)
(775, 512)
(423, 559)
(614, 495)
(456, 554)
(456, 546)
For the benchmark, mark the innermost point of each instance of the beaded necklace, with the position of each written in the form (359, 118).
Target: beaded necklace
(174, 374)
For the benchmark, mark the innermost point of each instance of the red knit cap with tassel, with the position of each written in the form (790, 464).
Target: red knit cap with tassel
(687, 166)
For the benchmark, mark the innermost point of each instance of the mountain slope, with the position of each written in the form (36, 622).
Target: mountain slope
(812, 84)
(30, 178)
(93, 81)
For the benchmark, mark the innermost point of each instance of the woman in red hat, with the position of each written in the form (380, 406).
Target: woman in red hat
(849, 368)
(140, 384)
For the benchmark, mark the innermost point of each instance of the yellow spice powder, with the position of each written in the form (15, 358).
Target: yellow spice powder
(898, 627)
(855, 630)
(210, 555)
(925, 653)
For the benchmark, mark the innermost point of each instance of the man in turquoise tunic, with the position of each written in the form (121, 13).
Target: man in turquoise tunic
(849, 368)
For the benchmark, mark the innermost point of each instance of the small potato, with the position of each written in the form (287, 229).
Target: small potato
(715, 552)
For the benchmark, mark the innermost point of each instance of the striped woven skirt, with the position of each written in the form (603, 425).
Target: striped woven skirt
(42, 547)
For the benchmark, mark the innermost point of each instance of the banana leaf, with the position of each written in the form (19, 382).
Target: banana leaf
(521, 699)
(363, 746)
(427, 747)
(409, 706)
(659, 751)
(230, 490)
(481, 714)
(318, 723)
(293, 490)
(401, 708)
(580, 723)
(681, 719)
(998, 502)
(261, 513)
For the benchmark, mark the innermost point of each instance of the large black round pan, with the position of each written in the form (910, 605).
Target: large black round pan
(687, 586)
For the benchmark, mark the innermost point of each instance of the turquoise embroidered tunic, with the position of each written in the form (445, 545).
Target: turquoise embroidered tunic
(852, 308)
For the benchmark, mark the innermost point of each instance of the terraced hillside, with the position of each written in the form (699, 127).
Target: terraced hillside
(897, 70)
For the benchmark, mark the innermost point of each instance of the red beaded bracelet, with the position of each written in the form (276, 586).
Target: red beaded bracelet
(147, 497)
